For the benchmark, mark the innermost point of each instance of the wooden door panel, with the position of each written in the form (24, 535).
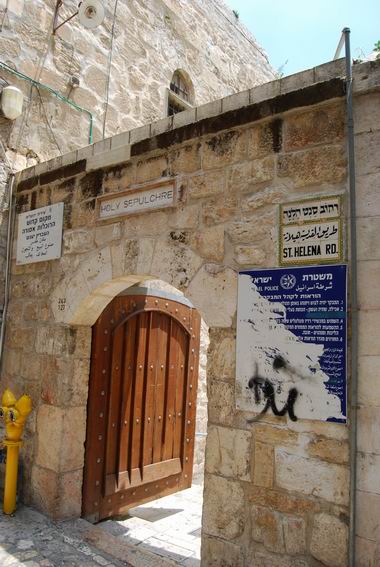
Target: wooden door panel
(161, 382)
(142, 400)
(124, 442)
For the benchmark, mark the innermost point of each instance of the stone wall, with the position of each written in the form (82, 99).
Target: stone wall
(276, 491)
(150, 41)
(367, 138)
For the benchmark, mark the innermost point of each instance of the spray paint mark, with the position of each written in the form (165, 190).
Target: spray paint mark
(263, 388)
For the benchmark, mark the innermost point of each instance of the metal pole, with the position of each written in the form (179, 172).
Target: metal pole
(7, 263)
(354, 300)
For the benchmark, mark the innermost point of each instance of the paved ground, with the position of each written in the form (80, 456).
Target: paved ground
(169, 527)
(159, 534)
(30, 539)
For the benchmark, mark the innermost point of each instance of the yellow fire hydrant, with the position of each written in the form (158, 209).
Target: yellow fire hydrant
(14, 412)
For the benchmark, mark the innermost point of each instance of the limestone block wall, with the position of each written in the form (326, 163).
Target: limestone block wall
(150, 40)
(367, 138)
(276, 491)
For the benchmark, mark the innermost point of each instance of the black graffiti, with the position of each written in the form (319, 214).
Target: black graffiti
(263, 388)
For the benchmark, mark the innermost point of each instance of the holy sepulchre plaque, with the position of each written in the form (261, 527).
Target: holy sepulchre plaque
(292, 342)
(311, 231)
(150, 197)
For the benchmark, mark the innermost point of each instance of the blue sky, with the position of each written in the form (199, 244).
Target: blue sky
(306, 33)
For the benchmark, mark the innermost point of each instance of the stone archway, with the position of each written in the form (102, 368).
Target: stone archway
(77, 301)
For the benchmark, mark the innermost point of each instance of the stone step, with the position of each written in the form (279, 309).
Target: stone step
(133, 556)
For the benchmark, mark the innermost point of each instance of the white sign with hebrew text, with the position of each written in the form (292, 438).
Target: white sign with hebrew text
(39, 235)
(311, 231)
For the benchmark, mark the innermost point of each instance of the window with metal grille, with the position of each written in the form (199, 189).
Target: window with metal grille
(179, 86)
(179, 94)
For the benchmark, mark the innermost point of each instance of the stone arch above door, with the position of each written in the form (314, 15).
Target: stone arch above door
(93, 280)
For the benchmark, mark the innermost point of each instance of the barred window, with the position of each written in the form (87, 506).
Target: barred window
(180, 93)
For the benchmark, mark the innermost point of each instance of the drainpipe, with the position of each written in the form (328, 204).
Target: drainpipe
(54, 93)
(354, 300)
(7, 262)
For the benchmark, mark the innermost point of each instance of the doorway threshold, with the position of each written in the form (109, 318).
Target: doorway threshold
(168, 528)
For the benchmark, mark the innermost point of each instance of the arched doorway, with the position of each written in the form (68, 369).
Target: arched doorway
(142, 403)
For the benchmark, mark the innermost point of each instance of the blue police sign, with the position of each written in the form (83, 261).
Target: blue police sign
(292, 342)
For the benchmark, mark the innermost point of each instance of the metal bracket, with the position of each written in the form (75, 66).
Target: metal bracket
(56, 12)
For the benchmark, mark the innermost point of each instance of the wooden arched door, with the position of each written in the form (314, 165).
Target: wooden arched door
(141, 405)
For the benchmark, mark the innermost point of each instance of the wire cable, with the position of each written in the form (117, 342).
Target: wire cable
(47, 120)
(53, 92)
(109, 70)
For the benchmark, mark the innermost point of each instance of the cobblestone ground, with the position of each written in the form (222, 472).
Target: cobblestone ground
(29, 539)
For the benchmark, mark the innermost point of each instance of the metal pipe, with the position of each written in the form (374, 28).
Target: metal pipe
(354, 299)
(53, 92)
(7, 263)
(11, 470)
(340, 45)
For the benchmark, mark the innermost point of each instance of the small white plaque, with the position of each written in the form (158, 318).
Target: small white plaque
(40, 234)
(158, 196)
(311, 232)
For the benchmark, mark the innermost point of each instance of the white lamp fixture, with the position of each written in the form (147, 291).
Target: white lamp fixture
(90, 12)
(11, 102)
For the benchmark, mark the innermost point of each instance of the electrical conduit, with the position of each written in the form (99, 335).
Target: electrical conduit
(54, 93)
